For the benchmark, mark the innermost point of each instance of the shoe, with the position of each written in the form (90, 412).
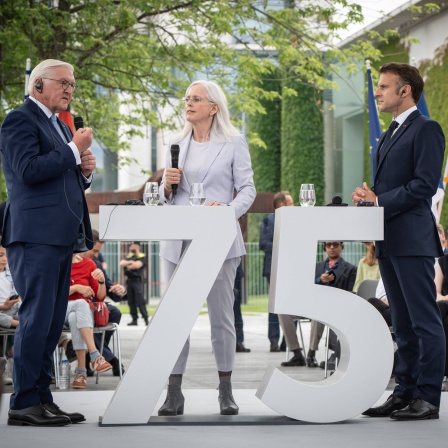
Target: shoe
(311, 361)
(417, 410)
(296, 360)
(331, 364)
(116, 367)
(36, 416)
(80, 381)
(75, 417)
(90, 372)
(69, 352)
(241, 349)
(393, 403)
(100, 365)
(227, 403)
(274, 348)
(146, 321)
(133, 322)
(174, 402)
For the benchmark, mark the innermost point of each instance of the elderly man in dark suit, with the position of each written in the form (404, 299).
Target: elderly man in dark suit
(407, 169)
(47, 170)
(335, 272)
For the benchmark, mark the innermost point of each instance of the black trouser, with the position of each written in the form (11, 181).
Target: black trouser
(136, 298)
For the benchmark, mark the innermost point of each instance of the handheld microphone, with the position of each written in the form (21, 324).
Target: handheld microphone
(174, 164)
(78, 122)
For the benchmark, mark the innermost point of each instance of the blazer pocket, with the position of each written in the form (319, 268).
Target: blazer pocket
(47, 200)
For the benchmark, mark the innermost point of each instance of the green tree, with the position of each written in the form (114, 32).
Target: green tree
(130, 54)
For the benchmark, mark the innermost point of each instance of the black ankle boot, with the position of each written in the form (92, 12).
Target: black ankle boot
(226, 402)
(174, 402)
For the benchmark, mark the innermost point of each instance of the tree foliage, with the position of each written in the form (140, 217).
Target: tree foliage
(150, 50)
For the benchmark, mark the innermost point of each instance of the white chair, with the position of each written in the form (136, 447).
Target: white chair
(367, 289)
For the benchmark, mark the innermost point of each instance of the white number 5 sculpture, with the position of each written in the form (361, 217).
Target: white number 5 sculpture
(367, 352)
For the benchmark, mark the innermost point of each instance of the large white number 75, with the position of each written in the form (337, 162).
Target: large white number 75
(367, 352)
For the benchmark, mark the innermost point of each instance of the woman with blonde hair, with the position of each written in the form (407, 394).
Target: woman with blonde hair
(368, 268)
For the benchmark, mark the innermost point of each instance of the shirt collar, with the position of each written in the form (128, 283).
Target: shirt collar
(402, 117)
(44, 108)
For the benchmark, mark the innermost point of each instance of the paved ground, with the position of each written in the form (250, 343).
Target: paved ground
(199, 385)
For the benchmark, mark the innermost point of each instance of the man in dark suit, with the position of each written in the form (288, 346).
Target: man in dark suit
(46, 170)
(334, 272)
(407, 169)
(281, 199)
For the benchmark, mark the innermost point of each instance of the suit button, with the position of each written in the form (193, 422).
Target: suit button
(68, 170)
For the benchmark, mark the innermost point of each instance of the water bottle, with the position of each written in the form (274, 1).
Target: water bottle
(64, 377)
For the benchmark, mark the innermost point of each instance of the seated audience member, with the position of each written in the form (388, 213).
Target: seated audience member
(368, 267)
(115, 292)
(381, 303)
(333, 272)
(86, 282)
(443, 235)
(9, 309)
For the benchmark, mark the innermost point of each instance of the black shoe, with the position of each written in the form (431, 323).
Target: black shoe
(69, 352)
(296, 360)
(75, 417)
(393, 403)
(36, 416)
(146, 321)
(116, 367)
(331, 364)
(418, 410)
(241, 349)
(174, 402)
(311, 361)
(133, 322)
(227, 403)
(90, 372)
(274, 348)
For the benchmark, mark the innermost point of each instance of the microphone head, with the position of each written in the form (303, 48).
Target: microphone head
(336, 200)
(175, 150)
(78, 122)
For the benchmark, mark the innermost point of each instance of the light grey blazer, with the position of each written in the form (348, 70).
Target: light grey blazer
(226, 169)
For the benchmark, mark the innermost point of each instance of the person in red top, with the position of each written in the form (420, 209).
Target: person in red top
(86, 283)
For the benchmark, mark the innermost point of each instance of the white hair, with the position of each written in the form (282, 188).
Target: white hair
(221, 125)
(44, 70)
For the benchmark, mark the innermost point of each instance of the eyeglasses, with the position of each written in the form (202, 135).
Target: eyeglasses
(195, 99)
(335, 245)
(65, 84)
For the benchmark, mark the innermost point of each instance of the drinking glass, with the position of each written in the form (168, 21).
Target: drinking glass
(197, 194)
(151, 193)
(307, 195)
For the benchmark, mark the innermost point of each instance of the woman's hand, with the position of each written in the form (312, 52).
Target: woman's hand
(85, 291)
(172, 176)
(98, 275)
(214, 203)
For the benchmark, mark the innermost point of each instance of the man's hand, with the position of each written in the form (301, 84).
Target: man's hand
(83, 138)
(363, 194)
(88, 162)
(327, 278)
(117, 289)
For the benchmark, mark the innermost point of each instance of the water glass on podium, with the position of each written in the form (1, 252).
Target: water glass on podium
(307, 196)
(197, 194)
(151, 193)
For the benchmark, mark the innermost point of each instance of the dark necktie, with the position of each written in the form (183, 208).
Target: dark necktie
(394, 125)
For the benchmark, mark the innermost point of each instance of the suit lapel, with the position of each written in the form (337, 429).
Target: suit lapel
(213, 151)
(44, 120)
(383, 150)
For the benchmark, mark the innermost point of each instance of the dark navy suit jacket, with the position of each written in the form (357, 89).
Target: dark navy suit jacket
(46, 202)
(407, 172)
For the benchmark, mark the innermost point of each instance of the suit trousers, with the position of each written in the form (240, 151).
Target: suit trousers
(289, 328)
(420, 357)
(220, 311)
(41, 276)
